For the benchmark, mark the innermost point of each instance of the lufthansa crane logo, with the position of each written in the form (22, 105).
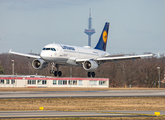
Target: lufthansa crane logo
(105, 36)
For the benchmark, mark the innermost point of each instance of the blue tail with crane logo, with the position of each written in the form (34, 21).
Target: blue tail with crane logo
(101, 45)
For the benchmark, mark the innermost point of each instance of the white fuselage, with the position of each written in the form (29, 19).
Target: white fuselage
(66, 54)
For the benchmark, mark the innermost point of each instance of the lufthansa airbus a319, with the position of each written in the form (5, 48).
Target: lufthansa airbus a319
(86, 57)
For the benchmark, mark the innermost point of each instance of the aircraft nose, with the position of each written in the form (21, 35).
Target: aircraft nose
(43, 54)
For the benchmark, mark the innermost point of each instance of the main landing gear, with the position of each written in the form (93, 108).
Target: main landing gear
(56, 73)
(91, 74)
(59, 73)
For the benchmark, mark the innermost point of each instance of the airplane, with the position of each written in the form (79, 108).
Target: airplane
(88, 58)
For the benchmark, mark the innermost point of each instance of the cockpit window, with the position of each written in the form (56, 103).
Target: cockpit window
(47, 48)
(52, 49)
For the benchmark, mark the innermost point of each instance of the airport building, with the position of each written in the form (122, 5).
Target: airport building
(34, 81)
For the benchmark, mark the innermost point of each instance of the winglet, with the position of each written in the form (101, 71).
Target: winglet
(10, 50)
(158, 54)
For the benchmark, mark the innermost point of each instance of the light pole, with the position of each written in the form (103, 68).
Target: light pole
(159, 75)
(13, 66)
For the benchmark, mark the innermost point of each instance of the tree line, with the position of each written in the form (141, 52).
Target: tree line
(138, 73)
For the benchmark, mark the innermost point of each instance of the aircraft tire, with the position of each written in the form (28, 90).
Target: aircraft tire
(93, 74)
(59, 73)
(55, 73)
(89, 74)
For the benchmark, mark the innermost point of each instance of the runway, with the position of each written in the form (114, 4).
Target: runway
(52, 114)
(65, 94)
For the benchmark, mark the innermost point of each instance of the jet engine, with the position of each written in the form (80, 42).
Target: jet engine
(39, 64)
(90, 65)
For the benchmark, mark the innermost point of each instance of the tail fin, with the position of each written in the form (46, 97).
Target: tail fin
(101, 45)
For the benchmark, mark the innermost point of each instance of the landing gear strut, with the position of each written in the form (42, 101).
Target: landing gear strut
(52, 66)
(91, 74)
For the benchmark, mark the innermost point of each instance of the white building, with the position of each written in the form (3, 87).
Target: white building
(47, 81)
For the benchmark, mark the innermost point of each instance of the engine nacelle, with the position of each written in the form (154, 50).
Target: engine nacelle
(90, 65)
(39, 64)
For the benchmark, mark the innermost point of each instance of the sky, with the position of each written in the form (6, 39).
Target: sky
(136, 26)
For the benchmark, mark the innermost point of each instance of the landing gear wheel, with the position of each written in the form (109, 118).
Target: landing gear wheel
(55, 73)
(93, 74)
(59, 73)
(89, 74)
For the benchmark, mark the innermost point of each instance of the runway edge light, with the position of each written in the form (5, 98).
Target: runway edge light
(41, 108)
(157, 113)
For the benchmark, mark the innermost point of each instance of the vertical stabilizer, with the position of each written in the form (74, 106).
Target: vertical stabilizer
(101, 45)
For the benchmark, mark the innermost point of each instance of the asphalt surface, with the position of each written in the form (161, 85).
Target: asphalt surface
(65, 94)
(52, 114)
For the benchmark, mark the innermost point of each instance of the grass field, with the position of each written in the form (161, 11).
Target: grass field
(79, 104)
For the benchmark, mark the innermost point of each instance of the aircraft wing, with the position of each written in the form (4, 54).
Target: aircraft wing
(123, 57)
(26, 55)
(116, 58)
